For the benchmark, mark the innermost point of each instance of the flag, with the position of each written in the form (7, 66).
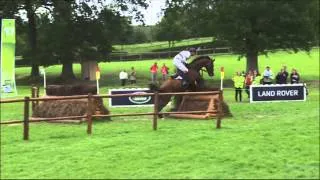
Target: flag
(222, 75)
(222, 72)
(97, 73)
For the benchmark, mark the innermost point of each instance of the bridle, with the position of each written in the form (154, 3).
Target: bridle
(204, 69)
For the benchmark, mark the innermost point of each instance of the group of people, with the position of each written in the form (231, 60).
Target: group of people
(245, 80)
(124, 77)
(132, 77)
(281, 77)
(154, 72)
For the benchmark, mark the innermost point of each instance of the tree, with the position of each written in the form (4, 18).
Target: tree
(70, 30)
(196, 16)
(257, 27)
(80, 32)
(171, 28)
(11, 9)
(284, 24)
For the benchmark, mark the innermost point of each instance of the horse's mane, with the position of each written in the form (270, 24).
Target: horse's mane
(200, 57)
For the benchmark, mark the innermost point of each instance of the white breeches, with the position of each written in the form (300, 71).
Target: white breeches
(180, 65)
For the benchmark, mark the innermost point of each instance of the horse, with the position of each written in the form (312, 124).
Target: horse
(174, 85)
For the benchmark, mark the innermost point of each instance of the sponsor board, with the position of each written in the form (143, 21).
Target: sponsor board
(277, 93)
(130, 101)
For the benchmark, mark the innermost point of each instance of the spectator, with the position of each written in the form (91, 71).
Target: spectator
(267, 76)
(133, 76)
(256, 78)
(281, 77)
(123, 77)
(238, 85)
(248, 82)
(294, 77)
(285, 72)
(154, 71)
(165, 72)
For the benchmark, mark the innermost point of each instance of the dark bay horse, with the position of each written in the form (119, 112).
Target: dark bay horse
(173, 85)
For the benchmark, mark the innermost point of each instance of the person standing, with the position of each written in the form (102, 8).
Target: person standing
(180, 62)
(164, 71)
(267, 76)
(285, 73)
(294, 77)
(133, 76)
(256, 78)
(123, 76)
(238, 80)
(154, 71)
(248, 81)
(281, 77)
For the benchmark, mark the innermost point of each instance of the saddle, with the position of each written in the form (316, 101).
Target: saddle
(185, 84)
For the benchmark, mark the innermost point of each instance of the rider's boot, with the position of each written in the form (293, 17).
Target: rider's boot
(185, 81)
(174, 76)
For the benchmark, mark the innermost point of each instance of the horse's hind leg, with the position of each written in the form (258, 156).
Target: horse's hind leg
(176, 102)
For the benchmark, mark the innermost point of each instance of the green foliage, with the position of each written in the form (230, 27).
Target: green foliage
(140, 34)
(283, 24)
(172, 28)
(255, 27)
(69, 30)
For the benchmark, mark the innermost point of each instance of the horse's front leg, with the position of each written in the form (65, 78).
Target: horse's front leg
(200, 84)
(163, 101)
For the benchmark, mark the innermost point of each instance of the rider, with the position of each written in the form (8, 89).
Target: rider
(180, 62)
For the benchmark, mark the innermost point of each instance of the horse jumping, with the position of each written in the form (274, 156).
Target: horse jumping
(174, 85)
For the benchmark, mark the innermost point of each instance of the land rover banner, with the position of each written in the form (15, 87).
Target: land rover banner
(274, 93)
(7, 56)
(130, 101)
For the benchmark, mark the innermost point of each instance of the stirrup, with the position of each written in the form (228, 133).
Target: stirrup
(185, 84)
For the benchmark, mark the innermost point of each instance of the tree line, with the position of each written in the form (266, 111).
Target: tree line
(51, 31)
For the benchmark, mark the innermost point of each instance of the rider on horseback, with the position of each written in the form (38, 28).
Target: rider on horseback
(180, 62)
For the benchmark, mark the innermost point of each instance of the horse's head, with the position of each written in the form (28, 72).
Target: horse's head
(210, 67)
(203, 61)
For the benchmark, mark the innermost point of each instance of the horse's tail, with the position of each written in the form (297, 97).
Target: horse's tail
(153, 87)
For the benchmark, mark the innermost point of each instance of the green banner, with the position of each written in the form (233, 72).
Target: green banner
(8, 40)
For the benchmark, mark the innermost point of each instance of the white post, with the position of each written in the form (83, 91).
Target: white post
(221, 77)
(43, 72)
(97, 86)
(44, 84)
(97, 78)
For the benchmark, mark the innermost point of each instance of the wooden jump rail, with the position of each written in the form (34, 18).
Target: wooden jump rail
(89, 116)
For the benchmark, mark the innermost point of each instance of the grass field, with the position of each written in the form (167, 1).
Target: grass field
(265, 140)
